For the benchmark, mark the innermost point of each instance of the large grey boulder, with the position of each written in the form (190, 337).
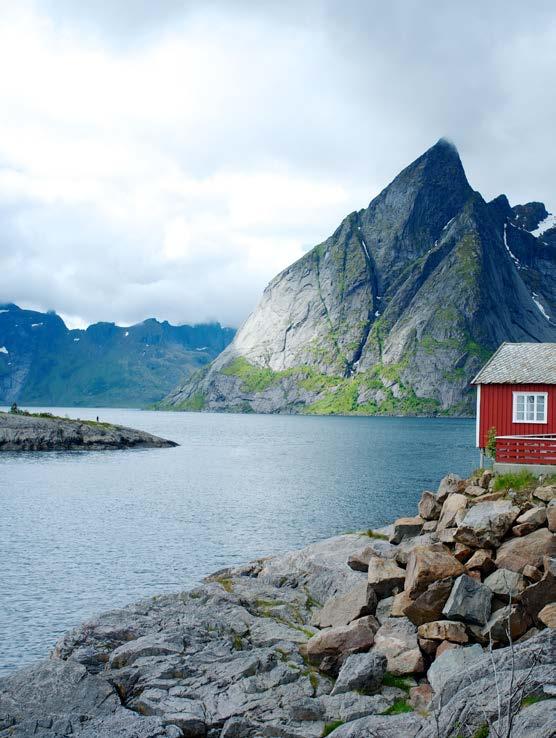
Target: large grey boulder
(385, 576)
(343, 609)
(449, 484)
(329, 648)
(469, 600)
(450, 663)
(428, 605)
(486, 523)
(361, 671)
(534, 721)
(506, 584)
(452, 511)
(529, 550)
(429, 506)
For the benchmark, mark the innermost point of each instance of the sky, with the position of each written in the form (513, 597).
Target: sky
(166, 159)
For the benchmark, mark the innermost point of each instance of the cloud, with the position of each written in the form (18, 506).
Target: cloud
(169, 158)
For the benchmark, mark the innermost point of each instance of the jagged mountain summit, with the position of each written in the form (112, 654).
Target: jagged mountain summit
(396, 311)
(42, 362)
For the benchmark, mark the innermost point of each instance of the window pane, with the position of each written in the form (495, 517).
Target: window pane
(520, 408)
(530, 407)
(541, 417)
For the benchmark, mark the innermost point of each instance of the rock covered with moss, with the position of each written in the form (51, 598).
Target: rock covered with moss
(396, 311)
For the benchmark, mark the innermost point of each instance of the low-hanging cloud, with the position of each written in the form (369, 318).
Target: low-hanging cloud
(167, 159)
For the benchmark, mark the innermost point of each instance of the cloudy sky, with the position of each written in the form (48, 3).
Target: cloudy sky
(168, 158)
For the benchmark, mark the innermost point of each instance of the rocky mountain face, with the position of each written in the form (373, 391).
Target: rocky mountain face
(396, 311)
(42, 362)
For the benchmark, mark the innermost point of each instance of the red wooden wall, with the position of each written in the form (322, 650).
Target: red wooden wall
(497, 411)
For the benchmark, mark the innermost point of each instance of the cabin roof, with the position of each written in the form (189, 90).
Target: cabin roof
(520, 363)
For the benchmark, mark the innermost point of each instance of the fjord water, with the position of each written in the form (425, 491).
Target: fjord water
(83, 532)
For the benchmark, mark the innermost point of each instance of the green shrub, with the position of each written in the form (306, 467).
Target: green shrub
(398, 708)
(515, 480)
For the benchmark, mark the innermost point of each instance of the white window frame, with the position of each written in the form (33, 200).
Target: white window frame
(535, 395)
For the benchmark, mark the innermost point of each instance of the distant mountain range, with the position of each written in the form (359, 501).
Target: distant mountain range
(42, 362)
(397, 310)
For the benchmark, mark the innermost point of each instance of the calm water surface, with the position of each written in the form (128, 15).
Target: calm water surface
(82, 532)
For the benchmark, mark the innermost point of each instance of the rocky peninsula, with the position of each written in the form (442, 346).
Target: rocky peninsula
(439, 626)
(21, 431)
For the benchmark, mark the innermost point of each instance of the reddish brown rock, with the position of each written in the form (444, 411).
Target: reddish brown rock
(385, 576)
(428, 646)
(489, 497)
(329, 648)
(401, 601)
(447, 536)
(445, 646)
(429, 506)
(428, 605)
(420, 697)
(444, 630)
(511, 619)
(523, 529)
(429, 526)
(532, 573)
(517, 553)
(538, 595)
(462, 552)
(485, 478)
(359, 561)
(481, 561)
(426, 565)
(547, 615)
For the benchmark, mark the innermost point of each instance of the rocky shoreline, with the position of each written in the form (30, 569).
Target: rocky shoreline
(440, 626)
(42, 432)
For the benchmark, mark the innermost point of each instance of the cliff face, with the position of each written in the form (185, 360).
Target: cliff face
(43, 362)
(397, 309)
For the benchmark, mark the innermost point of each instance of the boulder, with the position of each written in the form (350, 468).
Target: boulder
(343, 609)
(397, 640)
(426, 565)
(551, 515)
(486, 523)
(452, 511)
(474, 490)
(481, 561)
(329, 648)
(532, 573)
(428, 605)
(450, 483)
(534, 516)
(401, 601)
(443, 630)
(462, 552)
(506, 584)
(547, 615)
(428, 646)
(485, 479)
(361, 671)
(510, 619)
(516, 553)
(359, 560)
(406, 528)
(545, 493)
(385, 576)
(420, 697)
(446, 646)
(429, 506)
(447, 535)
(407, 546)
(538, 595)
(469, 601)
(450, 663)
(381, 726)
(523, 529)
(488, 497)
(384, 609)
(429, 526)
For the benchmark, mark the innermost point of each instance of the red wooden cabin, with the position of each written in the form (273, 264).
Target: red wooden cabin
(516, 404)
